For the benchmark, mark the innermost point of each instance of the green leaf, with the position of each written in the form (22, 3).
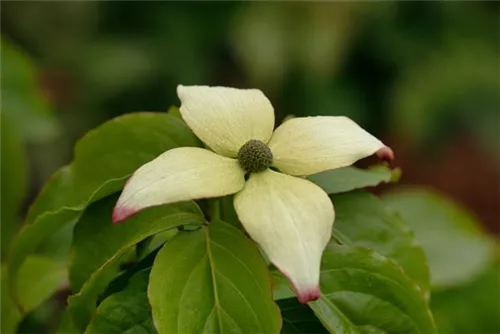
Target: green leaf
(351, 178)
(107, 155)
(10, 224)
(368, 329)
(470, 309)
(14, 173)
(66, 325)
(97, 239)
(299, 318)
(122, 280)
(100, 246)
(456, 248)
(174, 111)
(39, 278)
(362, 220)
(104, 159)
(127, 311)
(150, 244)
(281, 286)
(361, 288)
(212, 280)
(10, 314)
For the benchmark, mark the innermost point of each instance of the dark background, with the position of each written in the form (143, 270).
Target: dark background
(423, 76)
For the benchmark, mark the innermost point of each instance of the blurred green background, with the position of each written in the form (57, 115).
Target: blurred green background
(423, 76)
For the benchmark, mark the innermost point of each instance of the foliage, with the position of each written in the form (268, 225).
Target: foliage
(222, 284)
(213, 278)
(467, 250)
(209, 277)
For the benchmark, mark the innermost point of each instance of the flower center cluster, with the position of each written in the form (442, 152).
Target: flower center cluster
(255, 156)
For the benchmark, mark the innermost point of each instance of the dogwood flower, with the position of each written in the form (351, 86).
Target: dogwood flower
(288, 216)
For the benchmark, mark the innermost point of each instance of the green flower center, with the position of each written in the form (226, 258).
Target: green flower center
(255, 156)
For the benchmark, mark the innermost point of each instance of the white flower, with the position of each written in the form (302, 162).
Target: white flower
(288, 216)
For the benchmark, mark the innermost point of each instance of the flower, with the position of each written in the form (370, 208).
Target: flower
(288, 216)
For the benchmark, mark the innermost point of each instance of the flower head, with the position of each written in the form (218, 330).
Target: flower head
(288, 216)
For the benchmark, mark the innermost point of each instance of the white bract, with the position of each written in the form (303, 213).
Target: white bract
(288, 216)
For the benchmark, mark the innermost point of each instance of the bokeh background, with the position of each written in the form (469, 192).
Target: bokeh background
(423, 76)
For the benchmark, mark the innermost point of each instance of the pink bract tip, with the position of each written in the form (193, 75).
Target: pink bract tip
(309, 295)
(120, 213)
(385, 153)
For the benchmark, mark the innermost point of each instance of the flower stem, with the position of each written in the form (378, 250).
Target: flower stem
(214, 209)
